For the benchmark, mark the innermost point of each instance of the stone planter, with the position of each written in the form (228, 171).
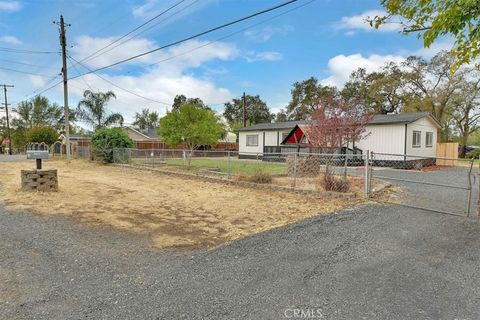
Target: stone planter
(39, 180)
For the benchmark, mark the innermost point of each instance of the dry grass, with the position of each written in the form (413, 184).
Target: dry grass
(175, 212)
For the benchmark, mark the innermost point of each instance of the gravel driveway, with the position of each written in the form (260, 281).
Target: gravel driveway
(371, 262)
(447, 198)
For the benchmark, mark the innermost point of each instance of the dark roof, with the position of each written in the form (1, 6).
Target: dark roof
(273, 126)
(377, 119)
(79, 137)
(401, 118)
(151, 133)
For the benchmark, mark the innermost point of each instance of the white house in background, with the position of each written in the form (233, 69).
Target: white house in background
(412, 133)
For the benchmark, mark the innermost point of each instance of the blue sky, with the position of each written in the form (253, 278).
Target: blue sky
(325, 38)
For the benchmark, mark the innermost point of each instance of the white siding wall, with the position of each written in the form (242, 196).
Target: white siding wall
(423, 125)
(389, 138)
(242, 142)
(271, 138)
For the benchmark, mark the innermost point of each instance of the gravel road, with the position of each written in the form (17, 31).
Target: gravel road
(371, 262)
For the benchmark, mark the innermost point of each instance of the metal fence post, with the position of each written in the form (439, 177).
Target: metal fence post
(295, 170)
(367, 191)
(228, 165)
(469, 201)
(345, 165)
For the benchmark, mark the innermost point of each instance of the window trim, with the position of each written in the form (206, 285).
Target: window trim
(427, 145)
(246, 140)
(419, 145)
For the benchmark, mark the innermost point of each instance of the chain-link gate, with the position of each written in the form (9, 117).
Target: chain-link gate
(445, 185)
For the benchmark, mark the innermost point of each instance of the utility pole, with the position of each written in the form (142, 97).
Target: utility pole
(244, 106)
(5, 86)
(63, 43)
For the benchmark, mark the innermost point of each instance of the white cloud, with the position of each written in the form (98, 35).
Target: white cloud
(37, 81)
(265, 34)
(10, 40)
(10, 5)
(189, 54)
(162, 81)
(433, 49)
(341, 66)
(253, 56)
(359, 22)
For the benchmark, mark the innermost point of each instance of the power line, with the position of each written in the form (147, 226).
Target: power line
(130, 32)
(26, 64)
(192, 37)
(12, 50)
(231, 34)
(25, 72)
(117, 86)
(145, 30)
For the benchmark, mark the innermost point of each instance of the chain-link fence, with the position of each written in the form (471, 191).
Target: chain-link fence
(306, 171)
(445, 185)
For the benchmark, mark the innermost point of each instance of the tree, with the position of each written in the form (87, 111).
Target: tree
(434, 19)
(466, 111)
(146, 119)
(382, 91)
(105, 140)
(256, 110)
(430, 86)
(39, 111)
(191, 126)
(305, 97)
(181, 100)
(335, 122)
(92, 110)
(281, 116)
(42, 133)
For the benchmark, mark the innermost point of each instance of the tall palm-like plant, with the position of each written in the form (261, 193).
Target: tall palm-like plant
(92, 109)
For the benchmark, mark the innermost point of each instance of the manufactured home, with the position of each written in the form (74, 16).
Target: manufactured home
(406, 133)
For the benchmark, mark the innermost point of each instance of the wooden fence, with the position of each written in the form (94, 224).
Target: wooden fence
(447, 150)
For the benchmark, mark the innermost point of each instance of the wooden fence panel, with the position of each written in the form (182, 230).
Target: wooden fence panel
(447, 150)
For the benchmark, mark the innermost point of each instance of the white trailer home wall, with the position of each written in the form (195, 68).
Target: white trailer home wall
(391, 133)
(424, 126)
(387, 138)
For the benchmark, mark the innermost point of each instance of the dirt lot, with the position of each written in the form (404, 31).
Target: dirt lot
(176, 212)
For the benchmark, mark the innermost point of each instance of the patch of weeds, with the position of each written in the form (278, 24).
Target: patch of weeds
(329, 182)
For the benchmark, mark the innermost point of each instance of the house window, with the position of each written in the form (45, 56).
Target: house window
(429, 139)
(284, 135)
(252, 140)
(417, 138)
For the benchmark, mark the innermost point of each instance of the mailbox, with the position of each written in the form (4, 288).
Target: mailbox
(39, 152)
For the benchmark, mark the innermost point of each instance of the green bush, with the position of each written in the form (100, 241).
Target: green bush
(40, 134)
(106, 139)
(475, 154)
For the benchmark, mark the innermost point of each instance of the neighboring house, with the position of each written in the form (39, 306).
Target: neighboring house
(407, 133)
(149, 139)
(144, 139)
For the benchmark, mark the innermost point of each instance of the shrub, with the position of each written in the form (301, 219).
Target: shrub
(474, 154)
(257, 177)
(41, 134)
(106, 139)
(331, 183)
